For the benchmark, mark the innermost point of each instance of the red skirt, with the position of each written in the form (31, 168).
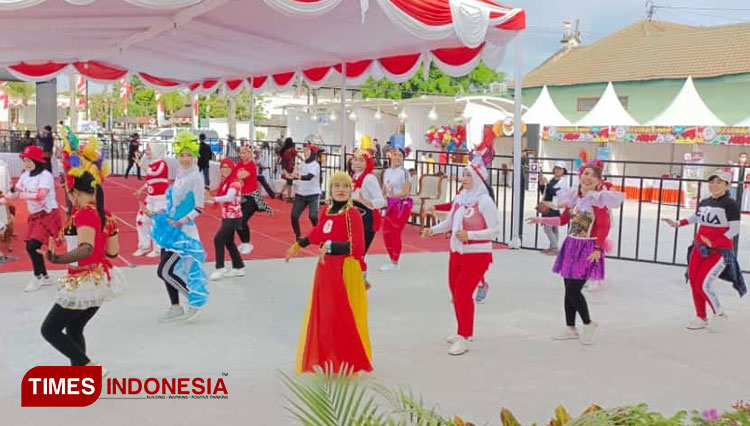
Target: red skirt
(43, 225)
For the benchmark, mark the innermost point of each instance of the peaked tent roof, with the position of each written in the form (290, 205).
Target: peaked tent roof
(607, 111)
(545, 112)
(686, 108)
(202, 44)
(649, 50)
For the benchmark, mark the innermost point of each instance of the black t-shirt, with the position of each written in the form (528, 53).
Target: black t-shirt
(46, 142)
(204, 156)
(718, 212)
(550, 191)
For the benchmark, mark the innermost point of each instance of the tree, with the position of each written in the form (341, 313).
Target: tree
(22, 90)
(477, 81)
(142, 102)
(215, 106)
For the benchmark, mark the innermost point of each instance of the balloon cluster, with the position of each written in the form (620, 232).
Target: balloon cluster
(447, 138)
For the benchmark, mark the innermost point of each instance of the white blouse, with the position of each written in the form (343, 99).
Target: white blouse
(371, 192)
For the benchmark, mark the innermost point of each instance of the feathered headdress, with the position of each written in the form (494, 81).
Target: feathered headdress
(78, 159)
(186, 141)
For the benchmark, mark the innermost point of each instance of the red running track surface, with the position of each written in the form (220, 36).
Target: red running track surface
(271, 236)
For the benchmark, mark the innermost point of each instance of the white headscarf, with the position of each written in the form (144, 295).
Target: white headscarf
(157, 151)
(471, 196)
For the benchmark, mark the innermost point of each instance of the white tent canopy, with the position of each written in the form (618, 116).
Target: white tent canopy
(270, 44)
(544, 112)
(608, 111)
(687, 108)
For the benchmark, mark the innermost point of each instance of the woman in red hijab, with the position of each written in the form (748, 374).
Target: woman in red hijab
(229, 195)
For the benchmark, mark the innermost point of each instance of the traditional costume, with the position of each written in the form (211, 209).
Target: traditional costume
(175, 231)
(90, 279)
(157, 182)
(334, 329)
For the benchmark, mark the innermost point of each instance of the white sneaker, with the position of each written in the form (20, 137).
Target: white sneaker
(568, 334)
(218, 274)
(105, 372)
(174, 313)
(154, 253)
(390, 266)
(190, 314)
(46, 280)
(140, 252)
(453, 338)
(245, 248)
(697, 324)
(33, 285)
(236, 272)
(460, 347)
(588, 333)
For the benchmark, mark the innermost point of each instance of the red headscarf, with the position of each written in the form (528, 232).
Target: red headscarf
(369, 167)
(227, 182)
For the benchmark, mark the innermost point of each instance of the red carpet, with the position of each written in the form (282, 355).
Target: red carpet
(271, 236)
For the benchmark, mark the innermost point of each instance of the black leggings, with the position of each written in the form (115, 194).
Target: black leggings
(575, 302)
(225, 238)
(71, 343)
(165, 271)
(300, 203)
(369, 237)
(36, 258)
(249, 207)
(262, 180)
(131, 163)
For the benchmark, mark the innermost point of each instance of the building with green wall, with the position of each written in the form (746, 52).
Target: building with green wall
(648, 63)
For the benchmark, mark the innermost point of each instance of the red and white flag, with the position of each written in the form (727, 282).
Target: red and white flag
(4, 97)
(160, 113)
(81, 90)
(125, 90)
(196, 111)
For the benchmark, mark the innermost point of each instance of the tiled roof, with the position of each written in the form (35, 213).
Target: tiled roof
(650, 50)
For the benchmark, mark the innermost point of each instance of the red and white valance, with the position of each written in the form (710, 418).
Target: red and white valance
(193, 47)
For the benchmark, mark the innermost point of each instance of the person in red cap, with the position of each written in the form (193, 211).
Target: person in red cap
(712, 254)
(229, 195)
(307, 188)
(37, 186)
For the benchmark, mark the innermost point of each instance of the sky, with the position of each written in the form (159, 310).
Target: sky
(598, 18)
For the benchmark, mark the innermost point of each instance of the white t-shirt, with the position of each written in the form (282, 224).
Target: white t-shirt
(394, 179)
(32, 184)
(308, 187)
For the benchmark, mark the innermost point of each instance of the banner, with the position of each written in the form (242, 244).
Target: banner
(708, 135)
(576, 134)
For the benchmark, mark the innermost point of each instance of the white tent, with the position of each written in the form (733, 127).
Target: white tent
(687, 108)
(544, 112)
(608, 111)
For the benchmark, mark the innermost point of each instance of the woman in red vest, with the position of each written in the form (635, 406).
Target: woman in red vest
(252, 200)
(473, 223)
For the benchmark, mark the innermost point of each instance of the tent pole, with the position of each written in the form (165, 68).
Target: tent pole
(517, 147)
(343, 116)
(252, 113)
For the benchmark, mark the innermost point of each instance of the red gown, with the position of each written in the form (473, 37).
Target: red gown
(334, 330)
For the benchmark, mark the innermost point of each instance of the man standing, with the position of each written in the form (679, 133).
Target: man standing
(134, 146)
(47, 142)
(377, 153)
(204, 159)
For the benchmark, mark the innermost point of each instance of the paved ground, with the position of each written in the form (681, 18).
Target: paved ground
(250, 330)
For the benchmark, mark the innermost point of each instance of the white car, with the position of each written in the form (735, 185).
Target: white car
(166, 136)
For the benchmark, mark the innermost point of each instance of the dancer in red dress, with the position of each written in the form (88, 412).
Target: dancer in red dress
(334, 330)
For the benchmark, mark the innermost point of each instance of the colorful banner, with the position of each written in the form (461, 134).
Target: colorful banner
(708, 135)
(576, 134)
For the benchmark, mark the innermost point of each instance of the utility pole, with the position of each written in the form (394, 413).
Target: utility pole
(649, 10)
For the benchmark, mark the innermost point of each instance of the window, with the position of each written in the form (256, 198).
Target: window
(587, 104)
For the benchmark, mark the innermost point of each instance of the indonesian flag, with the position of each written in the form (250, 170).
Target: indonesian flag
(4, 97)
(81, 90)
(196, 111)
(160, 113)
(125, 89)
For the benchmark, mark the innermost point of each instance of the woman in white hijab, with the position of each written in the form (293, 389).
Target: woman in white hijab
(473, 222)
(157, 182)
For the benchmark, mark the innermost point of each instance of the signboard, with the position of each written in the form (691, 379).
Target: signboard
(708, 135)
(533, 176)
(88, 127)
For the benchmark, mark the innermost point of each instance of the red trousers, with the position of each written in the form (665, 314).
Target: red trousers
(702, 272)
(465, 271)
(393, 227)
